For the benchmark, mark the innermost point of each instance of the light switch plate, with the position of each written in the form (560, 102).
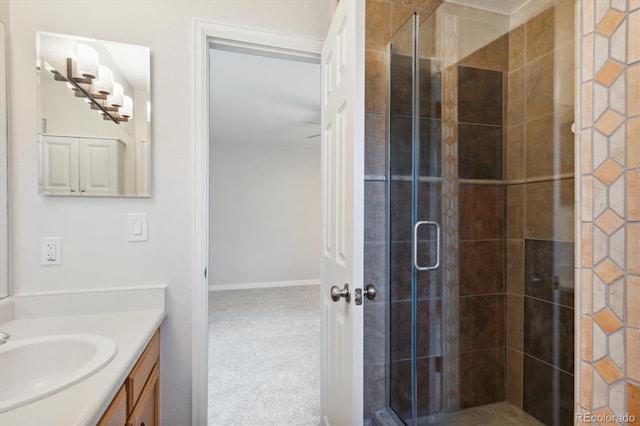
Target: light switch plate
(137, 227)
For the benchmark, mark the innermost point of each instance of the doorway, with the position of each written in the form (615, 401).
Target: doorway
(263, 234)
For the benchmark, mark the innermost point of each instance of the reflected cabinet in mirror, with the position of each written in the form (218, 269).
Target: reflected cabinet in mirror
(93, 117)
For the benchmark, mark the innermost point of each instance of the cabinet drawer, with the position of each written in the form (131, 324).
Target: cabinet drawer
(142, 371)
(145, 413)
(116, 414)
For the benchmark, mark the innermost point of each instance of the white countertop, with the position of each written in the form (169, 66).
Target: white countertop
(128, 316)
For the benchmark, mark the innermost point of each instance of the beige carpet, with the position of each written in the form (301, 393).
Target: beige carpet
(264, 357)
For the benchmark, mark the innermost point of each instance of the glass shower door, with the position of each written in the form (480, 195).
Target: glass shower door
(415, 191)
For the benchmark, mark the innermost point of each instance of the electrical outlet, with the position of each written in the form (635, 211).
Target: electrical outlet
(51, 251)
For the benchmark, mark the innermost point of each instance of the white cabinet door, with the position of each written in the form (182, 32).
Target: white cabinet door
(99, 167)
(60, 161)
(342, 106)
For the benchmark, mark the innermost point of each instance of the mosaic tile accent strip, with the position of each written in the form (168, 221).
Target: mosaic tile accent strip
(451, 397)
(609, 270)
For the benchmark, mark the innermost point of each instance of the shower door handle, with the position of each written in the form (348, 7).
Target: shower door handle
(415, 245)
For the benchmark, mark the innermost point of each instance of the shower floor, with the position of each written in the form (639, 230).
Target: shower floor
(501, 413)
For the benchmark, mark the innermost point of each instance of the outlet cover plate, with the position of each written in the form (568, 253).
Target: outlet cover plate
(51, 251)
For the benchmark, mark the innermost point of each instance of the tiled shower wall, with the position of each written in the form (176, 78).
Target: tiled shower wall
(608, 207)
(540, 217)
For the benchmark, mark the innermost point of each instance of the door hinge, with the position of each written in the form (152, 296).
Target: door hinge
(205, 272)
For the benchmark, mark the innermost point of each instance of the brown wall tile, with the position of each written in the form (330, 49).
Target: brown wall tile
(375, 388)
(515, 306)
(515, 211)
(515, 153)
(482, 378)
(539, 147)
(376, 82)
(377, 25)
(514, 378)
(545, 221)
(375, 212)
(429, 386)
(429, 328)
(515, 267)
(539, 87)
(480, 96)
(493, 56)
(549, 271)
(538, 396)
(399, 15)
(481, 267)
(564, 19)
(375, 148)
(516, 48)
(481, 322)
(540, 34)
(543, 321)
(481, 212)
(480, 150)
(516, 97)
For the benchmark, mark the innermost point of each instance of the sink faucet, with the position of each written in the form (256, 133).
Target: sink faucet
(4, 337)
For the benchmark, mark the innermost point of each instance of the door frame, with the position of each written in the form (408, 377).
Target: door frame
(209, 34)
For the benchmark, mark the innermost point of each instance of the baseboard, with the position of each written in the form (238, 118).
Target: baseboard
(273, 284)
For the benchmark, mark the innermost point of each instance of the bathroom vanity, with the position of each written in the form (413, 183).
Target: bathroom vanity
(121, 391)
(136, 402)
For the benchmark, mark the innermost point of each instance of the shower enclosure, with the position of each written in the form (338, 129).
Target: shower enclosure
(480, 215)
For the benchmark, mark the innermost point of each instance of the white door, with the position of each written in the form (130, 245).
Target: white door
(342, 105)
(60, 160)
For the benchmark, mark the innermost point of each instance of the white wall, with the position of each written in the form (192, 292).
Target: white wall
(95, 249)
(265, 213)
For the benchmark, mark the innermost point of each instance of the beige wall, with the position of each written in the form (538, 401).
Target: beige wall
(608, 262)
(96, 253)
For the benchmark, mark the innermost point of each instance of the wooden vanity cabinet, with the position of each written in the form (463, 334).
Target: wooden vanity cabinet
(136, 403)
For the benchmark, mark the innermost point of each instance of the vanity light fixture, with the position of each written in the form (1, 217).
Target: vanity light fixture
(95, 82)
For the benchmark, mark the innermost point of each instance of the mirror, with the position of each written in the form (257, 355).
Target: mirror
(93, 117)
(4, 184)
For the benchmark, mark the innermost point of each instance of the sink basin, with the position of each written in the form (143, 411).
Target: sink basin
(33, 368)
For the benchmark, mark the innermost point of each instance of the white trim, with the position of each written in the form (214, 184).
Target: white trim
(206, 33)
(271, 284)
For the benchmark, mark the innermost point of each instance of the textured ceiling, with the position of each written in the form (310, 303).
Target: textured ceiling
(260, 99)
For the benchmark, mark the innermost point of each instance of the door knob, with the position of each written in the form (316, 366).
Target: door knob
(337, 293)
(369, 291)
